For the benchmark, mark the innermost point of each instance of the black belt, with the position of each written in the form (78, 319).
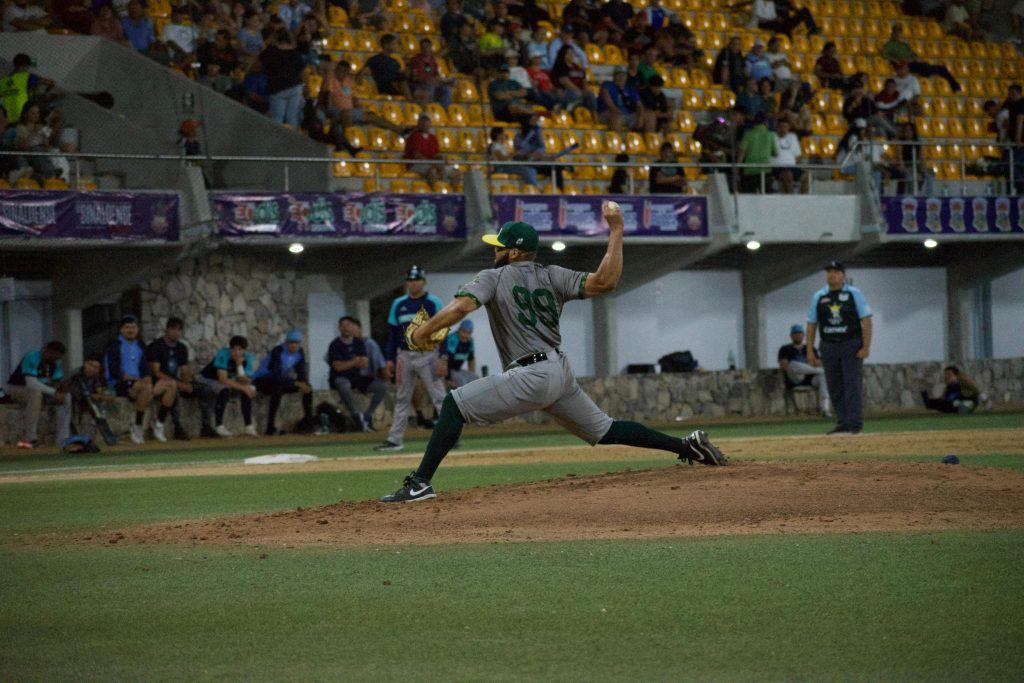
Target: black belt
(530, 359)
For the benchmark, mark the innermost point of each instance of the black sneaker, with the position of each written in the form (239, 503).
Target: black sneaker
(839, 430)
(700, 448)
(388, 447)
(368, 423)
(857, 431)
(413, 489)
(206, 432)
(180, 434)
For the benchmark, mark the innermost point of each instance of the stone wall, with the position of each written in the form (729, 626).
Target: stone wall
(224, 296)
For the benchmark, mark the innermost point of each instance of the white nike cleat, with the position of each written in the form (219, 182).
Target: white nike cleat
(136, 434)
(223, 431)
(158, 432)
(250, 430)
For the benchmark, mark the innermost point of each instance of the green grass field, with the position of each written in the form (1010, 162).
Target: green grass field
(919, 606)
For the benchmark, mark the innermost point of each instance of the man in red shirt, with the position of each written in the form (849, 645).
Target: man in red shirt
(422, 144)
(424, 78)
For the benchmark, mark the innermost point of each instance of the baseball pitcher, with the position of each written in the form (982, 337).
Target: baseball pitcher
(524, 301)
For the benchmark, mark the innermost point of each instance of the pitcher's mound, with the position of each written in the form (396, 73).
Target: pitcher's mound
(744, 498)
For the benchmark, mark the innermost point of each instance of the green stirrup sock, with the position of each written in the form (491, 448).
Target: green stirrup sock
(447, 431)
(635, 434)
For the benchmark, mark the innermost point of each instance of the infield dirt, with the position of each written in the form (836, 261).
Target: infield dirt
(748, 497)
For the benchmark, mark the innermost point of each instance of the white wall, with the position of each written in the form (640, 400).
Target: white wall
(909, 307)
(1008, 315)
(697, 310)
(324, 310)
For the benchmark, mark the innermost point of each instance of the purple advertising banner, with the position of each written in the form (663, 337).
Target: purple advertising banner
(340, 215)
(953, 215)
(89, 215)
(655, 216)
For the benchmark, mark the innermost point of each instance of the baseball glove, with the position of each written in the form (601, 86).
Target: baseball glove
(435, 339)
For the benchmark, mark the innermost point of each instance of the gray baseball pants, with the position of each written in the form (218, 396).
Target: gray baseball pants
(798, 371)
(409, 366)
(33, 400)
(548, 385)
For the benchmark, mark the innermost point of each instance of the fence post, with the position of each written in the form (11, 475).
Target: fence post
(913, 163)
(287, 179)
(78, 173)
(963, 170)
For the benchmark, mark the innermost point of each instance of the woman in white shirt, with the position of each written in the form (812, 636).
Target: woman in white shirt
(788, 156)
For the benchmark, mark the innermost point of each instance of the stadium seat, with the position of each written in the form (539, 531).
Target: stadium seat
(399, 186)
(26, 183)
(4, 185)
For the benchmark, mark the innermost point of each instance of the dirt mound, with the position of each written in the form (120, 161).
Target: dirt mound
(747, 497)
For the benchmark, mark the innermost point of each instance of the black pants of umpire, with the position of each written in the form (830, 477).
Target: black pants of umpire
(844, 375)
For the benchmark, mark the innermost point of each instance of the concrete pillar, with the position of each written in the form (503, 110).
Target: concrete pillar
(754, 333)
(959, 307)
(67, 327)
(362, 313)
(606, 353)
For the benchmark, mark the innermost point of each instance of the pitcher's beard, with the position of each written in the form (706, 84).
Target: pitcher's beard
(501, 260)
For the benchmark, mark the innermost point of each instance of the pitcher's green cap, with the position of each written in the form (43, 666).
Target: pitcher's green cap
(515, 235)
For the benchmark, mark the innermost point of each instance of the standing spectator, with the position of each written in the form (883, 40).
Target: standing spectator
(180, 36)
(828, 69)
(502, 149)
(508, 97)
(843, 315)
(218, 52)
(897, 50)
(957, 21)
(283, 65)
(25, 15)
(138, 28)
(284, 371)
(350, 364)
(36, 381)
(126, 372)
(386, 71)
(107, 25)
(787, 156)
(230, 374)
(425, 79)
(250, 36)
(619, 104)
(17, 88)
(168, 359)
(908, 162)
(730, 66)
(756, 147)
(457, 350)
(571, 78)
(657, 111)
(408, 365)
(667, 179)
(293, 12)
(781, 17)
(797, 372)
(422, 144)
(961, 394)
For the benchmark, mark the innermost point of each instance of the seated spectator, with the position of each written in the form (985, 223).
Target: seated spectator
(858, 147)
(797, 372)
(908, 87)
(619, 104)
(522, 76)
(828, 69)
(782, 72)
(292, 12)
(284, 371)
(897, 50)
(37, 381)
(615, 17)
(491, 46)
(230, 374)
(858, 105)
(283, 65)
(620, 176)
(180, 37)
(757, 65)
(168, 359)
(529, 146)
(545, 92)
(648, 64)
(88, 396)
(667, 179)
(464, 52)
(889, 102)
(563, 39)
(766, 89)
(750, 98)
(730, 66)
(502, 149)
(957, 21)
(215, 79)
(634, 78)
(342, 107)
(126, 372)
(107, 25)
(137, 27)
(36, 134)
(658, 17)
(25, 15)
(537, 46)
(686, 52)
(350, 364)
(998, 118)
(386, 71)
(367, 14)
(20, 86)
(508, 98)
(453, 20)
(219, 51)
(757, 146)
(779, 16)
(961, 394)
(254, 88)
(422, 144)
(792, 107)
(787, 156)
(657, 111)
(570, 77)
(425, 79)
(250, 36)
(638, 36)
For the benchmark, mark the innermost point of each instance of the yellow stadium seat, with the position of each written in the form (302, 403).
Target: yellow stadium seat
(342, 168)
(420, 187)
(635, 144)
(685, 121)
(818, 124)
(26, 183)
(55, 184)
(356, 136)
(468, 141)
(399, 186)
(613, 143)
(465, 91)
(828, 146)
(370, 185)
(592, 142)
(337, 17)
(442, 187)
(924, 128)
(582, 117)
(810, 146)
(977, 128)
(438, 116)
(552, 143)
(313, 84)
(391, 170)
(475, 113)
(4, 185)
(571, 137)
(457, 115)
(955, 128)
(562, 119)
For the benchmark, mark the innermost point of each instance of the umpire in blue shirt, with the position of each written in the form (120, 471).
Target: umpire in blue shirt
(844, 318)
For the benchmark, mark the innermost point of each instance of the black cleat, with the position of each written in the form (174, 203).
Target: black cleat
(389, 447)
(838, 431)
(699, 448)
(413, 489)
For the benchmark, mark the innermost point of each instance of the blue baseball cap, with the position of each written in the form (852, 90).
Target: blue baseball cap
(796, 329)
(293, 336)
(466, 324)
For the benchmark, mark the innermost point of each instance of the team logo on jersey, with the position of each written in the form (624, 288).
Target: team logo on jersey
(834, 318)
